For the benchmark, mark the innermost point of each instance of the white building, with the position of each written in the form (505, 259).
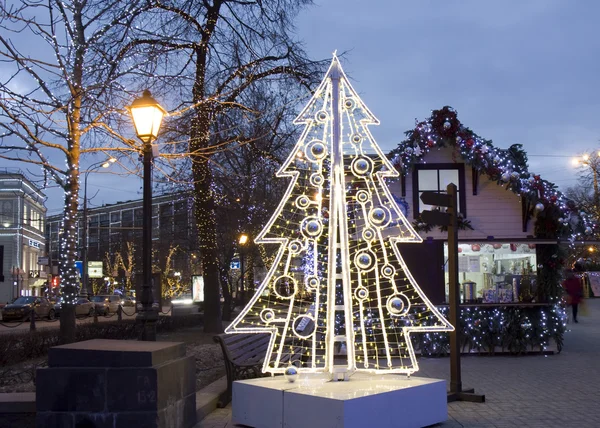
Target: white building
(22, 238)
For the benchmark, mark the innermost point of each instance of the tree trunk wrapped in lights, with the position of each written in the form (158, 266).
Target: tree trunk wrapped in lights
(340, 216)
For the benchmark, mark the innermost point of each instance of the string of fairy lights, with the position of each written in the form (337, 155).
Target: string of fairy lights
(338, 277)
(507, 167)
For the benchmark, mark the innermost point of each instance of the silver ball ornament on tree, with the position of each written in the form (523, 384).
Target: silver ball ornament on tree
(291, 374)
(539, 207)
(496, 159)
(505, 176)
(447, 125)
(588, 230)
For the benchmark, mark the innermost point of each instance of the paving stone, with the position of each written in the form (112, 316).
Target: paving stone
(559, 390)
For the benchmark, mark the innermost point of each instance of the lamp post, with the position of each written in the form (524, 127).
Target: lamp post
(242, 242)
(147, 116)
(84, 250)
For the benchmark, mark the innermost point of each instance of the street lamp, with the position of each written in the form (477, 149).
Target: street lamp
(594, 163)
(147, 116)
(242, 242)
(84, 251)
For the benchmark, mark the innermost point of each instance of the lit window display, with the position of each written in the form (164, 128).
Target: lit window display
(495, 272)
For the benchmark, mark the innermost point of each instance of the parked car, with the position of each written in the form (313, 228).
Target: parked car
(22, 307)
(127, 301)
(82, 307)
(106, 303)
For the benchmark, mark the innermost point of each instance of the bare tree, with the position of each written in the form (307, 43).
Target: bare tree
(127, 264)
(112, 262)
(62, 68)
(212, 52)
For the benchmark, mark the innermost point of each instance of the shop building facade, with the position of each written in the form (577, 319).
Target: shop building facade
(496, 250)
(22, 239)
(510, 219)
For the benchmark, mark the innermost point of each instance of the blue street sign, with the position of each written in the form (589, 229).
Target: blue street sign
(79, 266)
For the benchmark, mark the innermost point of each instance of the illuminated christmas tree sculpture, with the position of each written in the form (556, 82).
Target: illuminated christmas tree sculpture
(338, 277)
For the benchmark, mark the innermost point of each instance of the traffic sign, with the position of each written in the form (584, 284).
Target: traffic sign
(437, 199)
(436, 217)
(94, 270)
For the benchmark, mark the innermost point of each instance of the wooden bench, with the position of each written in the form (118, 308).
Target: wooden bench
(244, 355)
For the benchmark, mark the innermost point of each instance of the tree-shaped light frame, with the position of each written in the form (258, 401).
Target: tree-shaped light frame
(357, 289)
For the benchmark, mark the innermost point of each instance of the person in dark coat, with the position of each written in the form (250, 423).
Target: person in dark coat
(574, 288)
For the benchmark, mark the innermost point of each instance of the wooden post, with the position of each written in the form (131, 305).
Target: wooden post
(454, 294)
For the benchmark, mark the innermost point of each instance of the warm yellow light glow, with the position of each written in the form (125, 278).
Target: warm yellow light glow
(147, 116)
(105, 165)
(591, 249)
(243, 239)
(575, 162)
(112, 160)
(586, 157)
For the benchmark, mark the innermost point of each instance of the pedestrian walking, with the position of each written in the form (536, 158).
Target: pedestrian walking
(574, 288)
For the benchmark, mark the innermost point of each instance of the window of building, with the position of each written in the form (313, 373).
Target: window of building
(435, 178)
(127, 219)
(499, 272)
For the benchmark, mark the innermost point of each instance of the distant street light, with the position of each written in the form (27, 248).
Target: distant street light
(593, 162)
(84, 251)
(147, 116)
(242, 241)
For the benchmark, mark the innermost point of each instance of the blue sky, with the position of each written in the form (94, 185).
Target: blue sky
(516, 71)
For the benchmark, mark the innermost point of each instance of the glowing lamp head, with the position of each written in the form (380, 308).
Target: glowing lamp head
(147, 116)
(243, 239)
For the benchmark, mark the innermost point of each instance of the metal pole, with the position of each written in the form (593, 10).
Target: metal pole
(241, 299)
(84, 251)
(454, 295)
(596, 196)
(147, 316)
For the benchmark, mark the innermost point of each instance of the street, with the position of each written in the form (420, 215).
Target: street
(12, 326)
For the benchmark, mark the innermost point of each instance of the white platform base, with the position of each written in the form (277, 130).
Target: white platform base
(381, 401)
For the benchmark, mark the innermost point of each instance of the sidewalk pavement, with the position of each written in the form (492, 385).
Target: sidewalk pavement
(561, 390)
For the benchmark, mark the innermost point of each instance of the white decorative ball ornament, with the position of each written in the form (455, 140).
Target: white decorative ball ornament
(447, 125)
(531, 180)
(291, 374)
(496, 159)
(458, 139)
(588, 230)
(539, 207)
(506, 176)
(515, 175)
